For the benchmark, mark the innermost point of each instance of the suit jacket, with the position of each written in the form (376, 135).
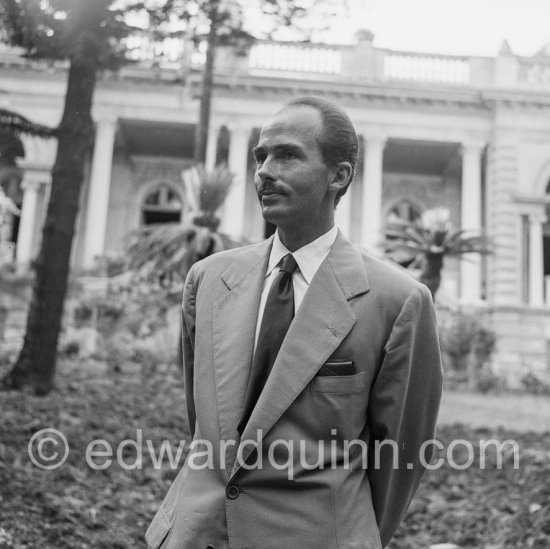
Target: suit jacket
(356, 308)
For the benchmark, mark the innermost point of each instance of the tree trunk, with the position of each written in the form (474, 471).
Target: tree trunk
(36, 363)
(430, 274)
(201, 135)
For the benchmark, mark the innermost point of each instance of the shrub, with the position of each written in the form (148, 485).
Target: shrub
(487, 381)
(467, 346)
(70, 349)
(83, 313)
(533, 385)
(130, 323)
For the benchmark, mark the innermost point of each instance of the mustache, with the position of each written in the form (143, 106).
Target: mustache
(268, 188)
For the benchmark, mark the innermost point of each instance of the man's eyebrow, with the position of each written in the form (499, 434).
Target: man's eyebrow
(277, 148)
(257, 149)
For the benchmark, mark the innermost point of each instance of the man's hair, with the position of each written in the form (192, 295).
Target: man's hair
(339, 141)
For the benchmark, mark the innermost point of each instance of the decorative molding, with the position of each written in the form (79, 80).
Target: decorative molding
(347, 92)
(474, 146)
(157, 170)
(532, 199)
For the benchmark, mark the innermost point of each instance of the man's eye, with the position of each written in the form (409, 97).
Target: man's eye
(260, 159)
(288, 155)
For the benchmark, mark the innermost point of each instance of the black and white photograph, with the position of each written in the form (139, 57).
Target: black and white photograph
(274, 274)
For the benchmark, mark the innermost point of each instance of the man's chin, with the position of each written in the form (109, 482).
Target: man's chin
(272, 213)
(268, 216)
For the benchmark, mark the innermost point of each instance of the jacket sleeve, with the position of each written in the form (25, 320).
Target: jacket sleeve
(188, 346)
(403, 408)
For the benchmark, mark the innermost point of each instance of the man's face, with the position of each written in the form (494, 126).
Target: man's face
(291, 176)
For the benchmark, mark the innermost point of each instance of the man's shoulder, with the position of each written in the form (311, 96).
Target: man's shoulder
(390, 280)
(217, 263)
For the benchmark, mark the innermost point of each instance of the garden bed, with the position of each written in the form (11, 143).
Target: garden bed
(77, 507)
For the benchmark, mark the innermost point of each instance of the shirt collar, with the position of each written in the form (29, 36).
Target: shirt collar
(308, 257)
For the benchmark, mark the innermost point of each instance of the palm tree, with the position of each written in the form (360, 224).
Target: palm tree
(424, 243)
(162, 255)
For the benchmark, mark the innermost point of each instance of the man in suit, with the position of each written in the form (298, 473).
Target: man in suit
(294, 347)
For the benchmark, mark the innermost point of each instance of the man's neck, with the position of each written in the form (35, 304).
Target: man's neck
(294, 240)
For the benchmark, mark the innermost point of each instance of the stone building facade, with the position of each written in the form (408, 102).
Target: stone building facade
(471, 134)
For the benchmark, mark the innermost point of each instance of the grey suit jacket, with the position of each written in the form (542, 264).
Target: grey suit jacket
(357, 308)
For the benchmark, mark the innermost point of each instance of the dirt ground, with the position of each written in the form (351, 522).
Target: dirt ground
(78, 507)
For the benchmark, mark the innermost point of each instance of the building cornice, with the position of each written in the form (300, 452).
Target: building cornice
(346, 92)
(393, 93)
(516, 99)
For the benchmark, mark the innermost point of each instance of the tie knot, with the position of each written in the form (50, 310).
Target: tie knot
(288, 264)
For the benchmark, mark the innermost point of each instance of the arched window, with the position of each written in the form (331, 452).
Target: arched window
(403, 210)
(161, 205)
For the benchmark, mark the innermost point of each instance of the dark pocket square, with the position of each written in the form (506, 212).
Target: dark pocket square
(337, 367)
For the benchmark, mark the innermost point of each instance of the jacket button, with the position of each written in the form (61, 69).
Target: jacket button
(232, 491)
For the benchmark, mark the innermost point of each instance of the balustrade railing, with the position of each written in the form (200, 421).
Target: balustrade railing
(357, 64)
(272, 56)
(279, 59)
(426, 68)
(148, 52)
(534, 72)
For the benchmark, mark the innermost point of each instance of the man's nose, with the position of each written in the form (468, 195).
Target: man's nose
(267, 170)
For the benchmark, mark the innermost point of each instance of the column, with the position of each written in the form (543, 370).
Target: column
(470, 268)
(98, 196)
(371, 224)
(342, 215)
(536, 260)
(212, 146)
(25, 238)
(234, 210)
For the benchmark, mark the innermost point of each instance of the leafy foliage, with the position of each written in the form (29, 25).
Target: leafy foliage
(480, 508)
(7, 206)
(467, 345)
(88, 35)
(196, 17)
(433, 233)
(423, 244)
(163, 254)
(223, 23)
(531, 383)
(18, 125)
(205, 191)
(68, 29)
(129, 323)
(76, 506)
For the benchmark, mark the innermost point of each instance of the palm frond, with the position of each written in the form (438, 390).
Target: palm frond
(473, 244)
(7, 206)
(428, 240)
(205, 191)
(163, 254)
(20, 125)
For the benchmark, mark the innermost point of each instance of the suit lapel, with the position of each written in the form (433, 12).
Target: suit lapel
(321, 323)
(234, 324)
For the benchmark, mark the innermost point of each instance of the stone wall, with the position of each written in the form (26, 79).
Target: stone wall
(523, 342)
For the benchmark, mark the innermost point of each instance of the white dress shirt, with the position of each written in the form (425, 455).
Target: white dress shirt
(308, 258)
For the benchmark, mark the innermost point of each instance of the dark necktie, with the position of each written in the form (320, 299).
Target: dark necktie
(278, 314)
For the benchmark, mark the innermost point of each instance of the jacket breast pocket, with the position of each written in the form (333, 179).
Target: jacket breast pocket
(159, 531)
(339, 384)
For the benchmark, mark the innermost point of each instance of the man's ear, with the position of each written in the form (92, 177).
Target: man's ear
(341, 178)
